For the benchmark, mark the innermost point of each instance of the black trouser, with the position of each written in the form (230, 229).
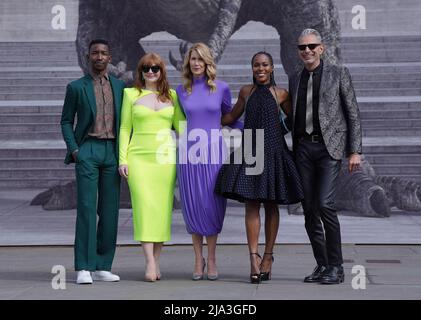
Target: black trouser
(319, 171)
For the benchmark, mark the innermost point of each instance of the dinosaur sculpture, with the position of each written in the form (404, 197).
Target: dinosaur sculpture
(125, 22)
(367, 194)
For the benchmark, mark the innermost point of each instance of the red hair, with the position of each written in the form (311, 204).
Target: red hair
(153, 59)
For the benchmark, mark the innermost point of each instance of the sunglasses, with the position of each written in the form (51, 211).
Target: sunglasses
(311, 46)
(155, 69)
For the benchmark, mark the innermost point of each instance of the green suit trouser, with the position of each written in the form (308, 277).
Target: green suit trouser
(98, 194)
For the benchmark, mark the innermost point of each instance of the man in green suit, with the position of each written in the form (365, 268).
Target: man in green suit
(92, 144)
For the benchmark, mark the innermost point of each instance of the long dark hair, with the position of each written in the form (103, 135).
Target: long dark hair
(272, 76)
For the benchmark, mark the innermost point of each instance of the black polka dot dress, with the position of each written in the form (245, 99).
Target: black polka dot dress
(262, 169)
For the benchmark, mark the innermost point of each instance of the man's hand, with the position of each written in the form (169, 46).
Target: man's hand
(354, 162)
(123, 170)
(74, 154)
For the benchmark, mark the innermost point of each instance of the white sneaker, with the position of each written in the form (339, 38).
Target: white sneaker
(105, 276)
(84, 277)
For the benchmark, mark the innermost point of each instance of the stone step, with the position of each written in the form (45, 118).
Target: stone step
(233, 57)
(392, 145)
(388, 107)
(29, 127)
(51, 123)
(39, 135)
(43, 56)
(39, 118)
(55, 106)
(51, 173)
(348, 57)
(373, 71)
(392, 132)
(392, 158)
(367, 132)
(44, 81)
(34, 96)
(360, 92)
(370, 118)
(40, 64)
(234, 92)
(40, 74)
(370, 92)
(33, 182)
(16, 107)
(25, 152)
(282, 77)
(389, 115)
(59, 86)
(28, 89)
(18, 163)
(391, 123)
(355, 68)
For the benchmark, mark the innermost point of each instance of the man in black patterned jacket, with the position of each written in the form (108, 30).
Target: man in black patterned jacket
(326, 128)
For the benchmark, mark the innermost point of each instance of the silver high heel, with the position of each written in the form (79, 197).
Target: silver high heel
(212, 277)
(199, 276)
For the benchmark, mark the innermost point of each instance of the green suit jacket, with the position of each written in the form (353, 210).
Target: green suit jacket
(80, 101)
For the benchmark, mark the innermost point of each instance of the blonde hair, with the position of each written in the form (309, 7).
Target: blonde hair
(163, 86)
(210, 67)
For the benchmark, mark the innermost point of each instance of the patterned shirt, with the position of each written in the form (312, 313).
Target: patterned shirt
(103, 127)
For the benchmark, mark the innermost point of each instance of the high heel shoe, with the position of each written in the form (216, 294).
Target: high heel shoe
(255, 277)
(214, 276)
(199, 276)
(265, 276)
(150, 277)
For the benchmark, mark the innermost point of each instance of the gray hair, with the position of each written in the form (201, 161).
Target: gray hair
(314, 32)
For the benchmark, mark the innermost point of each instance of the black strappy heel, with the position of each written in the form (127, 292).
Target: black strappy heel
(255, 277)
(265, 276)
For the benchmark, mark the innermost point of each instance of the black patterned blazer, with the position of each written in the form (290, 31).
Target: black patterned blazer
(338, 111)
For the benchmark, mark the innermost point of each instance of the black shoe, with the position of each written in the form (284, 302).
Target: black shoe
(255, 277)
(317, 274)
(265, 276)
(333, 275)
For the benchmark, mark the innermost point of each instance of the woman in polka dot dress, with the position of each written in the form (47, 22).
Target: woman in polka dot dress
(266, 172)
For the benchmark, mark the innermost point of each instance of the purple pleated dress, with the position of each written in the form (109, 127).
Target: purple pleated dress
(200, 156)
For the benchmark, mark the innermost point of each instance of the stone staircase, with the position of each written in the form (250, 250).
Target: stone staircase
(386, 73)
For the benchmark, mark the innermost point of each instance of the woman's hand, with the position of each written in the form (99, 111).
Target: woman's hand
(123, 170)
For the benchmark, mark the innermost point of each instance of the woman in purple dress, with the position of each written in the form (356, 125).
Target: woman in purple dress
(201, 154)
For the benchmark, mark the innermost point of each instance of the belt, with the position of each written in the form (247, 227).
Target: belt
(100, 139)
(312, 138)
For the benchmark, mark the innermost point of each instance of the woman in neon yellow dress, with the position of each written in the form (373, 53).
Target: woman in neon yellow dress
(147, 156)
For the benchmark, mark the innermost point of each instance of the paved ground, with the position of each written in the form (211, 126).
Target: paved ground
(391, 272)
(389, 249)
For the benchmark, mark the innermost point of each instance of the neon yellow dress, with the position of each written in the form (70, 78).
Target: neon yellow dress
(147, 146)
